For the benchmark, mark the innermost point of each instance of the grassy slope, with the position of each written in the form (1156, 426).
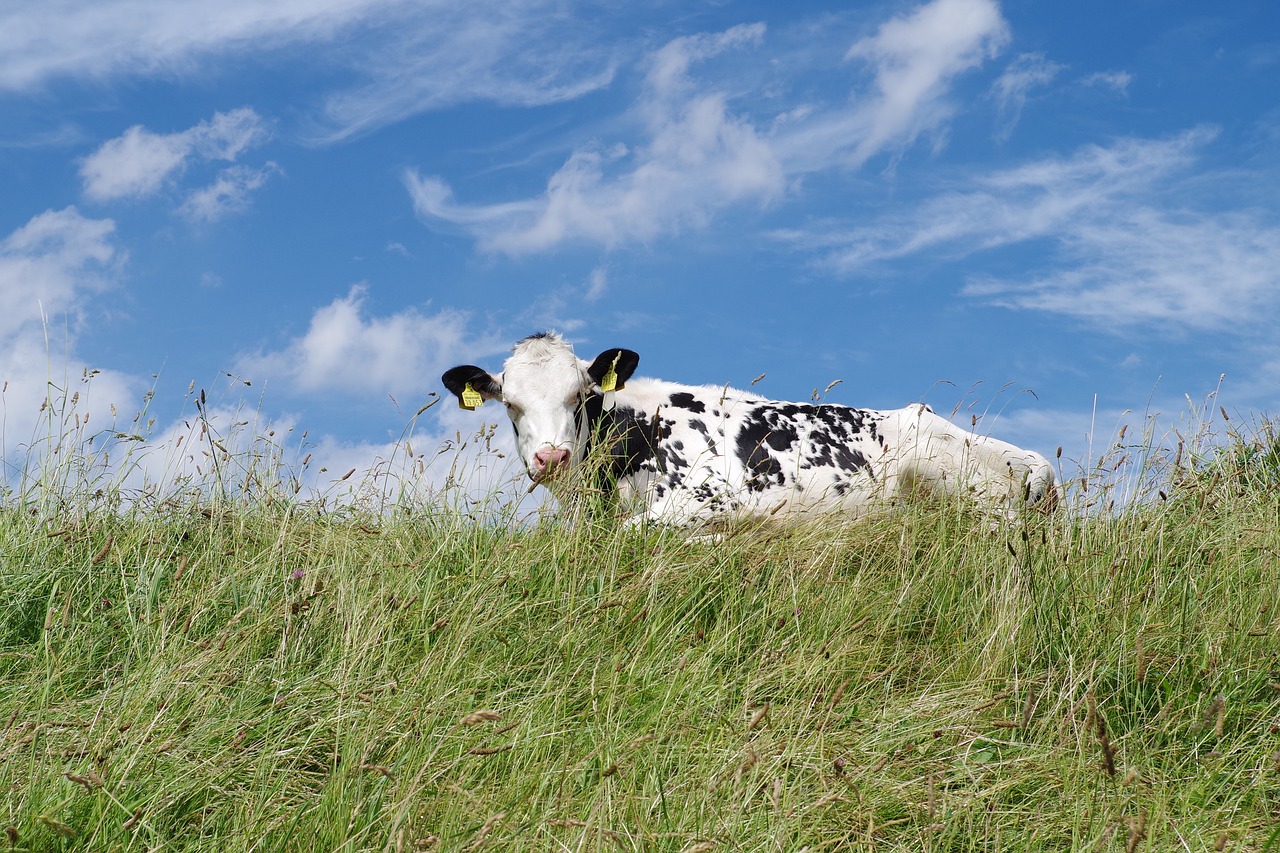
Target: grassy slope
(265, 679)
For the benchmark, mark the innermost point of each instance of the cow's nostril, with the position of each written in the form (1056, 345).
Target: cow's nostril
(550, 456)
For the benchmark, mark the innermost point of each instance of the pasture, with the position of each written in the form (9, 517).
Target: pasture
(239, 671)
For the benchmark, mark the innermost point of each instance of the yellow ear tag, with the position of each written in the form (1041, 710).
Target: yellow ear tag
(609, 384)
(470, 398)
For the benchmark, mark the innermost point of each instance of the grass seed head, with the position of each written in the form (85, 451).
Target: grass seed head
(58, 826)
(483, 832)
(1137, 831)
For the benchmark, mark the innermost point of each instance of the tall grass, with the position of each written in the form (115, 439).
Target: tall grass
(239, 669)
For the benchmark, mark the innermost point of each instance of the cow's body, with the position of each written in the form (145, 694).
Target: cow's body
(682, 453)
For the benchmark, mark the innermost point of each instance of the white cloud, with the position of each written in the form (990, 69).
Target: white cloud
(48, 268)
(1124, 267)
(47, 264)
(227, 135)
(229, 193)
(344, 349)
(52, 403)
(139, 162)
(1123, 246)
(597, 284)
(405, 57)
(1118, 81)
(696, 157)
(512, 52)
(460, 459)
(914, 58)
(1031, 201)
(52, 399)
(1027, 72)
(99, 38)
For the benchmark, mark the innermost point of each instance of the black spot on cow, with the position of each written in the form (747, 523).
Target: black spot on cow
(629, 436)
(753, 448)
(782, 437)
(670, 459)
(840, 420)
(835, 445)
(822, 436)
(848, 459)
(688, 402)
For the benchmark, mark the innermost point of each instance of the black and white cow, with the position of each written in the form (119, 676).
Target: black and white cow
(684, 453)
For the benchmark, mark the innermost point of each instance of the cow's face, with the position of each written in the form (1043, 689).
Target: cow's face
(544, 387)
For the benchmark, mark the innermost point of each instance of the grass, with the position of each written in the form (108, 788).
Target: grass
(231, 672)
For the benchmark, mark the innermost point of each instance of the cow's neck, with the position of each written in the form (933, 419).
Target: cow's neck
(629, 436)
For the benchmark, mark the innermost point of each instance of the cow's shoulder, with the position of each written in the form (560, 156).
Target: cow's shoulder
(687, 402)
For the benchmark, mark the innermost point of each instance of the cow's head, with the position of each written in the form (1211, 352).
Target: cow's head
(545, 388)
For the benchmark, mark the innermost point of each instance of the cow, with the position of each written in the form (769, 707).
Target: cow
(683, 454)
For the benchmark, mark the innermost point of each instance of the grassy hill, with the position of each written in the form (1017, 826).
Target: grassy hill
(248, 673)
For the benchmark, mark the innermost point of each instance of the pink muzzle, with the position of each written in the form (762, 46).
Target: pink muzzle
(548, 459)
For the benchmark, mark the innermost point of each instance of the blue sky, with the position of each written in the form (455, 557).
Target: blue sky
(334, 200)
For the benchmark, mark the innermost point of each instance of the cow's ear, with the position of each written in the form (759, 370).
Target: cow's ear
(621, 362)
(471, 385)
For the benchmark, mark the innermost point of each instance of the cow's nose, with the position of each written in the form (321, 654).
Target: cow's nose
(550, 457)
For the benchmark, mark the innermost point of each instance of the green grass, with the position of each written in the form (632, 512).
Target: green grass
(218, 673)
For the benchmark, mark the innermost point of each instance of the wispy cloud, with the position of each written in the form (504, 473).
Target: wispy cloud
(915, 57)
(1027, 202)
(347, 350)
(1122, 245)
(1126, 267)
(913, 62)
(511, 52)
(97, 39)
(1117, 81)
(597, 284)
(1027, 72)
(229, 193)
(396, 58)
(697, 157)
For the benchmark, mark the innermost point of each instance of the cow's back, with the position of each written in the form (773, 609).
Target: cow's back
(723, 451)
